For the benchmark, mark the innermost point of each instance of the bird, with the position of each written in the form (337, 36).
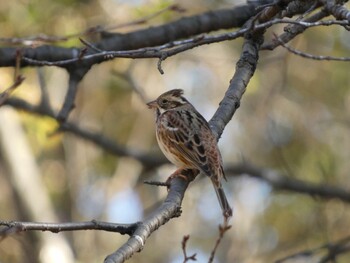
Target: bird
(185, 138)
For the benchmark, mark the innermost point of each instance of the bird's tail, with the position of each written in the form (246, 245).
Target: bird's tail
(225, 206)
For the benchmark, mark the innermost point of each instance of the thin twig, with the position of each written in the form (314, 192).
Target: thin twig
(6, 93)
(18, 64)
(308, 11)
(90, 45)
(18, 226)
(222, 230)
(307, 55)
(291, 31)
(157, 183)
(184, 250)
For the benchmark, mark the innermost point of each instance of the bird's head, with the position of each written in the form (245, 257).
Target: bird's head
(168, 100)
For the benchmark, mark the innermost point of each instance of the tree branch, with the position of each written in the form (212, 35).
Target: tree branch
(222, 230)
(173, 48)
(280, 182)
(337, 10)
(274, 179)
(245, 68)
(153, 36)
(334, 249)
(16, 226)
(310, 56)
(71, 94)
(292, 31)
(4, 96)
(162, 42)
(168, 210)
(149, 161)
(184, 250)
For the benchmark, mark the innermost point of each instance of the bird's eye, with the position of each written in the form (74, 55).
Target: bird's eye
(164, 101)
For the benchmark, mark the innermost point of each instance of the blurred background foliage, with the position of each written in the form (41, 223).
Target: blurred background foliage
(294, 119)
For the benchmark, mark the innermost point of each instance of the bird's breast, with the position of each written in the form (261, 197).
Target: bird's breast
(171, 152)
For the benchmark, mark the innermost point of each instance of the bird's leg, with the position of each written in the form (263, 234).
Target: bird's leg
(186, 174)
(177, 173)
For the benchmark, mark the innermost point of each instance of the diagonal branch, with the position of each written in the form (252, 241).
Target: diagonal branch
(138, 231)
(4, 96)
(168, 210)
(245, 68)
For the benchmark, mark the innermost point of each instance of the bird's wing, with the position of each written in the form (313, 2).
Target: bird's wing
(188, 133)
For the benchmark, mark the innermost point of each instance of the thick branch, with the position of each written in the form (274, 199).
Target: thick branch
(338, 11)
(245, 69)
(168, 210)
(170, 49)
(153, 36)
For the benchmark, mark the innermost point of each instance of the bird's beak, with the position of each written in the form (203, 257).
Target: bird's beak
(152, 104)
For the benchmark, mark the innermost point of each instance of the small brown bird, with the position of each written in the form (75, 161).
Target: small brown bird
(184, 136)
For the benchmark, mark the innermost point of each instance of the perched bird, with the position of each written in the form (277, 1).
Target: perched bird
(185, 138)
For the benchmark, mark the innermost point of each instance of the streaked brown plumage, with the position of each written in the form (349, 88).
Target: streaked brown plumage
(186, 139)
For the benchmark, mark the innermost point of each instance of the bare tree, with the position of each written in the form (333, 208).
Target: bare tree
(250, 22)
